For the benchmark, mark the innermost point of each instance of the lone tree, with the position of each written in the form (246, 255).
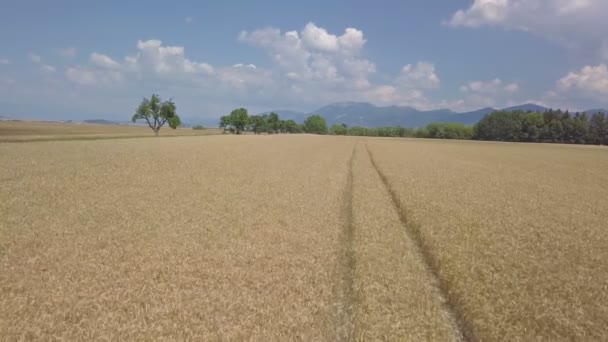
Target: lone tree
(157, 113)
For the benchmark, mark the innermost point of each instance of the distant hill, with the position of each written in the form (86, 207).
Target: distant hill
(595, 111)
(528, 107)
(368, 115)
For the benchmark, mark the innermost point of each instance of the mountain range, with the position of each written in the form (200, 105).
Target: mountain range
(368, 115)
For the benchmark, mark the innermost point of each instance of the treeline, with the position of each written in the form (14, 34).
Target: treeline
(549, 127)
(515, 126)
(436, 130)
(239, 121)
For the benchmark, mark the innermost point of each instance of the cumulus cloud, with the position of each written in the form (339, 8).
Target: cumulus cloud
(486, 94)
(421, 75)
(408, 88)
(394, 95)
(92, 76)
(521, 14)
(37, 60)
(314, 55)
(152, 61)
(590, 81)
(578, 24)
(310, 66)
(161, 59)
(103, 61)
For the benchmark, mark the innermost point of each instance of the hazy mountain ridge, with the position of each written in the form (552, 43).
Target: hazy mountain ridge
(368, 115)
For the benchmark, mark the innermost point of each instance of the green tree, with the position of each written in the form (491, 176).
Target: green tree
(315, 124)
(157, 113)
(224, 123)
(421, 133)
(500, 126)
(598, 129)
(238, 119)
(273, 122)
(291, 126)
(338, 130)
(257, 124)
(580, 129)
(533, 125)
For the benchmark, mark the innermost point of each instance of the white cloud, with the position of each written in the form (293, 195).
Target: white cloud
(48, 68)
(304, 72)
(103, 61)
(241, 65)
(318, 38)
(493, 87)
(421, 75)
(521, 14)
(352, 39)
(394, 95)
(408, 88)
(152, 61)
(90, 76)
(577, 24)
(153, 56)
(188, 20)
(315, 58)
(491, 93)
(81, 76)
(4, 61)
(68, 52)
(34, 58)
(590, 81)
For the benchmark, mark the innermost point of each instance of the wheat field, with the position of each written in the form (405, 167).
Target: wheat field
(302, 237)
(25, 131)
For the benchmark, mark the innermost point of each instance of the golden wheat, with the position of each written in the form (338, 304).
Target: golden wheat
(517, 232)
(302, 237)
(22, 131)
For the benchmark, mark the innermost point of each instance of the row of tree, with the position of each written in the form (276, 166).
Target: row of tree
(551, 126)
(436, 130)
(517, 126)
(239, 121)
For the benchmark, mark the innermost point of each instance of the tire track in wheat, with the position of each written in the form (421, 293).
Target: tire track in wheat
(346, 308)
(462, 327)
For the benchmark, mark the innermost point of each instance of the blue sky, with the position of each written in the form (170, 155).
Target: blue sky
(77, 59)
